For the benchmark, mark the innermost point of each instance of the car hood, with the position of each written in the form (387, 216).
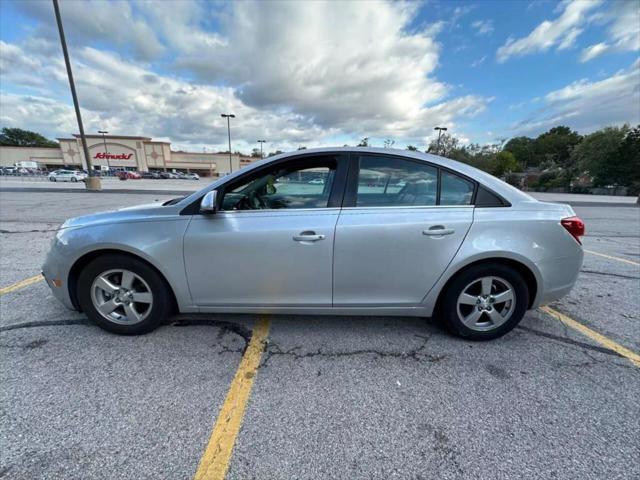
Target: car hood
(145, 212)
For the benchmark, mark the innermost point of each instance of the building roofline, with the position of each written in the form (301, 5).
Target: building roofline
(91, 135)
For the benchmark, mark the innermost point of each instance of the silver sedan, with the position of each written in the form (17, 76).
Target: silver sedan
(359, 231)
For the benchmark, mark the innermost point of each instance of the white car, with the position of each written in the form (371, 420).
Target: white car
(67, 176)
(192, 176)
(316, 181)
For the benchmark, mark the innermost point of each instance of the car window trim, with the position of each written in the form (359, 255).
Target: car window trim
(336, 195)
(354, 171)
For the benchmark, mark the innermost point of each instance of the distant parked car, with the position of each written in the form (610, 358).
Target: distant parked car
(168, 175)
(149, 175)
(192, 176)
(67, 176)
(127, 175)
(316, 181)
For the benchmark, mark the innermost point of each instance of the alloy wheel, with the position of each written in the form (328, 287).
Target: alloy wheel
(486, 303)
(121, 296)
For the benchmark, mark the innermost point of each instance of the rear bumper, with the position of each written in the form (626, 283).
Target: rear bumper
(559, 275)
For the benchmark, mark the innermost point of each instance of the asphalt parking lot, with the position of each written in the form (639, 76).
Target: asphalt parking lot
(332, 397)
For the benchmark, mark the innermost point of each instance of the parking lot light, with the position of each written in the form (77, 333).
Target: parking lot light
(92, 182)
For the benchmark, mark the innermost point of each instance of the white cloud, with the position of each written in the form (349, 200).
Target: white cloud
(96, 20)
(561, 32)
(623, 32)
(593, 51)
(294, 72)
(478, 62)
(483, 27)
(589, 105)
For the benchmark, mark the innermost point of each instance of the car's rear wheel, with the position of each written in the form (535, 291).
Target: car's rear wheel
(485, 301)
(123, 295)
(53, 179)
(74, 179)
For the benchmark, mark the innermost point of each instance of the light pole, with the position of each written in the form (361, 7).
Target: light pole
(261, 142)
(440, 129)
(93, 182)
(106, 154)
(229, 116)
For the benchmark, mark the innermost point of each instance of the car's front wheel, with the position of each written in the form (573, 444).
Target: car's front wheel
(53, 179)
(123, 295)
(485, 301)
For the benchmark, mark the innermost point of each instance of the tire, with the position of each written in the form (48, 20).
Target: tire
(495, 318)
(74, 179)
(146, 315)
(53, 179)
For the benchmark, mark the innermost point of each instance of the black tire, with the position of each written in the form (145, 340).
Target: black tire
(160, 309)
(448, 307)
(74, 179)
(53, 179)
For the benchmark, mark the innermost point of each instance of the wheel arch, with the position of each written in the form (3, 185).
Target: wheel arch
(527, 274)
(85, 259)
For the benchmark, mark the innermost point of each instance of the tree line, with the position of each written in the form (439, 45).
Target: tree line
(560, 156)
(609, 156)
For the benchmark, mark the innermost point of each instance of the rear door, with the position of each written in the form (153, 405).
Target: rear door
(402, 222)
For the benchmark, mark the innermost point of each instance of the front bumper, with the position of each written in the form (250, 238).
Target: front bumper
(56, 275)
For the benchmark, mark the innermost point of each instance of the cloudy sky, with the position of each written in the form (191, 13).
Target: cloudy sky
(315, 73)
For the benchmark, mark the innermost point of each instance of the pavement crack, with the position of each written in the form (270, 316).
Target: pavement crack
(417, 354)
(46, 323)
(28, 231)
(609, 274)
(225, 328)
(569, 341)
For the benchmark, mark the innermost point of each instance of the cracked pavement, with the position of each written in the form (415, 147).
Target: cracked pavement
(335, 397)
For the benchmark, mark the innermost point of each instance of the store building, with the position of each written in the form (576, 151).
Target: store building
(122, 152)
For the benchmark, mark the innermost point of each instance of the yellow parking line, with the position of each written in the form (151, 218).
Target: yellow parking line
(23, 283)
(215, 460)
(610, 257)
(593, 335)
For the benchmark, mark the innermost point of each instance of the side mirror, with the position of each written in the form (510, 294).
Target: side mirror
(209, 203)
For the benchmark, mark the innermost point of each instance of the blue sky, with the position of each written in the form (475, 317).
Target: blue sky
(315, 73)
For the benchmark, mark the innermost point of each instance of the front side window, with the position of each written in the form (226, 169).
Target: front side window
(298, 184)
(393, 182)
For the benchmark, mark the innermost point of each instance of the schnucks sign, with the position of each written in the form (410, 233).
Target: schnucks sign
(120, 156)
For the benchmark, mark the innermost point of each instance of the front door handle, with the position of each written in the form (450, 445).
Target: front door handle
(437, 231)
(308, 237)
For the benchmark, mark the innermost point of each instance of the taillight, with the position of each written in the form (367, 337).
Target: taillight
(574, 226)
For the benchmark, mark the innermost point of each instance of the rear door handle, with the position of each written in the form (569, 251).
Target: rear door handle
(438, 231)
(308, 237)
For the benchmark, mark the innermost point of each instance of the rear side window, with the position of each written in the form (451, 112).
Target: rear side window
(393, 182)
(455, 190)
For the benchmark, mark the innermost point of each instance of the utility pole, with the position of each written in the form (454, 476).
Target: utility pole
(440, 129)
(229, 116)
(93, 182)
(261, 142)
(106, 154)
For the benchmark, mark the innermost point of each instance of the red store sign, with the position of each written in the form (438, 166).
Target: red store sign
(120, 156)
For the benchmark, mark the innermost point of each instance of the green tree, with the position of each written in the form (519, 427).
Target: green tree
(523, 150)
(598, 155)
(364, 142)
(448, 143)
(412, 148)
(625, 166)
(504, 162)
(16, 137)
(556, 145)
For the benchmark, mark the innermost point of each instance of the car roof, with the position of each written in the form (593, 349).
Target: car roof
(512, 194)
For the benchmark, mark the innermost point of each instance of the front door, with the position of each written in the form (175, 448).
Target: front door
(271, 242)
(406, 222)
